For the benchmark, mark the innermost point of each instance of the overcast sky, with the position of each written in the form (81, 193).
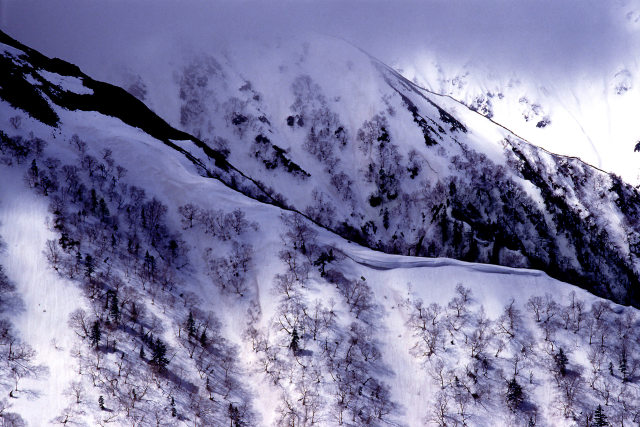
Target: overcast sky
(565, 36)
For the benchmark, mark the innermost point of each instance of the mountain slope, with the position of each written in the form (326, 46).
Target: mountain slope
(345, 140)
(214, 308)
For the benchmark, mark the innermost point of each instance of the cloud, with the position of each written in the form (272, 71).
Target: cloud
(527, 36)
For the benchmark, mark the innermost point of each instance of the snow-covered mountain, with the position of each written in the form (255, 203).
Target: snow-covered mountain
(334, 134)
(585, 110)
(282, 251)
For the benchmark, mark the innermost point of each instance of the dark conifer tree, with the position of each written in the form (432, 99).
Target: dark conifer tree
(94, 200)
(106, 300)
(95, 334)
(149, 264)
(114, 312)
(561, 362)
(174, 412)
(515, 396)
(234, 416)
(33, 173)
(104, 210)
(78, 261)
(191, 325)
(323, 259)
(159, 354)
(88, 266)
(209, 389)
(622, 366)
(134, 312)
(600, 418)
(295, 345)
(203, 339)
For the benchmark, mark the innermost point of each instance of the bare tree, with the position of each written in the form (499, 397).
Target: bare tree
(577, 308)
(481, 336)
(438, 372)
(439, 413)
(80, 323)
(596, 357)
(298, 265)
(459, 304)
(20, 358)
(188, 213)
(16, 121)
(53, 254)
(570, 391)
(299, 235)
(230, 271)
(510, 320)
(75, 390)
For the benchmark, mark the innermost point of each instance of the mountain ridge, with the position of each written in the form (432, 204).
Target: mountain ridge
(370, 229)
(196, 304)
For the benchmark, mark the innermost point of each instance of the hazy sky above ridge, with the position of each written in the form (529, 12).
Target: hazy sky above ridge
(567, 36)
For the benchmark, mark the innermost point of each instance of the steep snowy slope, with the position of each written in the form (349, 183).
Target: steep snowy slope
(338, 136)
(424, 181)
(189, 303)
(47, 300)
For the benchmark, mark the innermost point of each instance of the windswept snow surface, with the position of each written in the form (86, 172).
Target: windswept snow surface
(590, 118)
(48, 299)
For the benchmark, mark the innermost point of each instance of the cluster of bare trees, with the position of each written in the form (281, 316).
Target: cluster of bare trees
(115, 241)
(325, 132)
(608, 335)
(131, 336)
(108, 362)
(242, 113)
(197, 97)
(228, 272)
(386, 169)
(326, 374)
(455, 343)
(217, 223)
(476, 361)
(18, 149)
